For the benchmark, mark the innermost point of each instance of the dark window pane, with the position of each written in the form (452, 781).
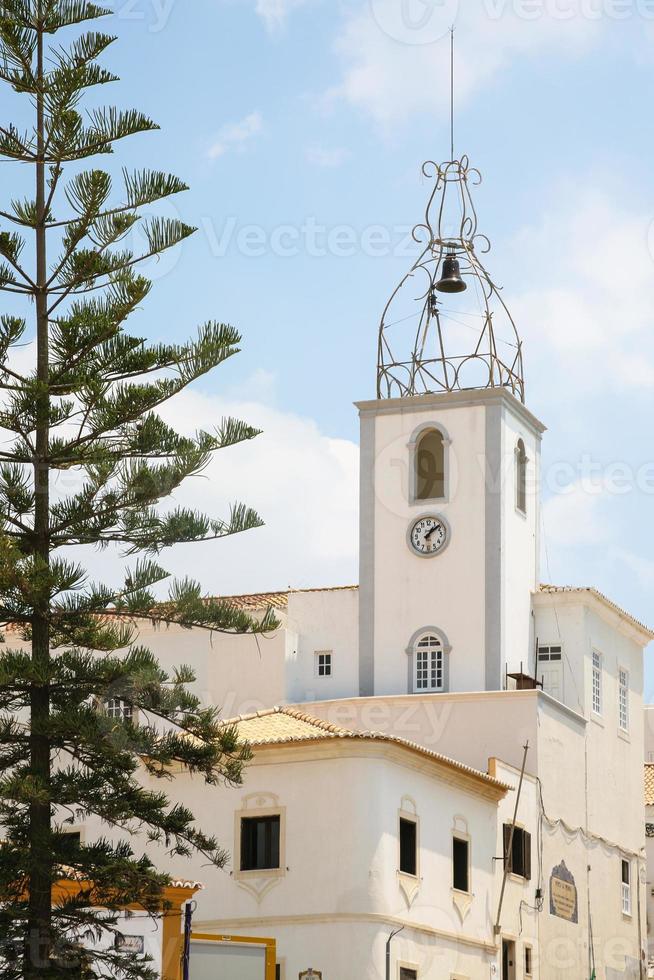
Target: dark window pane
(460, 864)
(408, 841)
(528, 961)
(259, 843)
(278, 972)
(518, 859)
(408, 974)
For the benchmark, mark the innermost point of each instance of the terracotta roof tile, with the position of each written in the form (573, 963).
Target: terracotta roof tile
(284, 726)
(278, 600)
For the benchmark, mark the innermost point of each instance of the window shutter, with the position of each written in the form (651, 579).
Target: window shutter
(526, 840)
(508, 863)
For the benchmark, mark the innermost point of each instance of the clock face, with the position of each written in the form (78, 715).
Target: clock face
(428, 536)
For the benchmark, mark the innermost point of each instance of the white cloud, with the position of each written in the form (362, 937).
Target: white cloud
(328, 157)
(302, 482)
(641, 568)
(275, 12)
(576, 518)
(234, 136)
(598, 318)
(395, 57)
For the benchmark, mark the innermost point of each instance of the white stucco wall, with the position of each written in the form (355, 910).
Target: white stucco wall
(326, 620)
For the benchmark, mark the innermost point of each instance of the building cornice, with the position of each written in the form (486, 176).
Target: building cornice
(373, 918)
(451, 399)
(386, 749)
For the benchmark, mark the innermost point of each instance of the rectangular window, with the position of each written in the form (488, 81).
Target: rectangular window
(623, 700)
(119, 709)
(408, 847)
(549, 654)
(406, 974)
(518, 858)
(260, 843)
(626, 888)
(460, 864)
(597, 683)
(529, 961)
(324, 663)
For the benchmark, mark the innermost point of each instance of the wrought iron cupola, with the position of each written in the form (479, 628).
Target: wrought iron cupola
(446, 326)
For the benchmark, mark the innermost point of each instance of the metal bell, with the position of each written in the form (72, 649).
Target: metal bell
(451, 281)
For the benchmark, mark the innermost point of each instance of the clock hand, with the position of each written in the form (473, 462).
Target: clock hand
(429, 533)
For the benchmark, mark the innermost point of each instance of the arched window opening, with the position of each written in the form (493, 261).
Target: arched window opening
(430, 466)
(429, 667)
(521, 477)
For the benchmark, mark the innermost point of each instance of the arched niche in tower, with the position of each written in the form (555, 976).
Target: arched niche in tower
(429, 463)
(521, 461)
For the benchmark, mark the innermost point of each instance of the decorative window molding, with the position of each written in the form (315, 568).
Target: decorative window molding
(409, 883)
(429, 664)
(521, 463)
(260, 881)
(419, 494)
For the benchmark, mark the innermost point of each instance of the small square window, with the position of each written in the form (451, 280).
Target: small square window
(408, 847)
(260, 843)
(324, 663)
(406, 974)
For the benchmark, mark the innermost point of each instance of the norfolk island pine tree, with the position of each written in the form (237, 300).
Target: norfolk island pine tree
(90, 406)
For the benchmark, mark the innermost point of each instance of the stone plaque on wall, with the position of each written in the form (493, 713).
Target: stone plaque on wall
(563, 894)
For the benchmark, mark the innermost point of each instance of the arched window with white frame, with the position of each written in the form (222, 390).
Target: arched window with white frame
(521, 476)
(429, 662)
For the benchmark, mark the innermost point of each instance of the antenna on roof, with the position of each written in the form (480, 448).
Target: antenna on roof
(452, 91)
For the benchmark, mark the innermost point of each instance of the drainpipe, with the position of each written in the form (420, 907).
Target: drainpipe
(186, 953)
(388, 951)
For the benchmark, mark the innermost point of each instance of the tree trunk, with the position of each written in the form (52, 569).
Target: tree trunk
(40, 866)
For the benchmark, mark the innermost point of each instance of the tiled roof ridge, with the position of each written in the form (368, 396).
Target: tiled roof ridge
(548, 589)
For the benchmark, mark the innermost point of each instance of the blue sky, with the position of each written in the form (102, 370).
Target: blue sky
(301, 125)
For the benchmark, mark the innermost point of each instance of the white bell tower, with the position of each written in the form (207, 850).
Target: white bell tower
(450, 470)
